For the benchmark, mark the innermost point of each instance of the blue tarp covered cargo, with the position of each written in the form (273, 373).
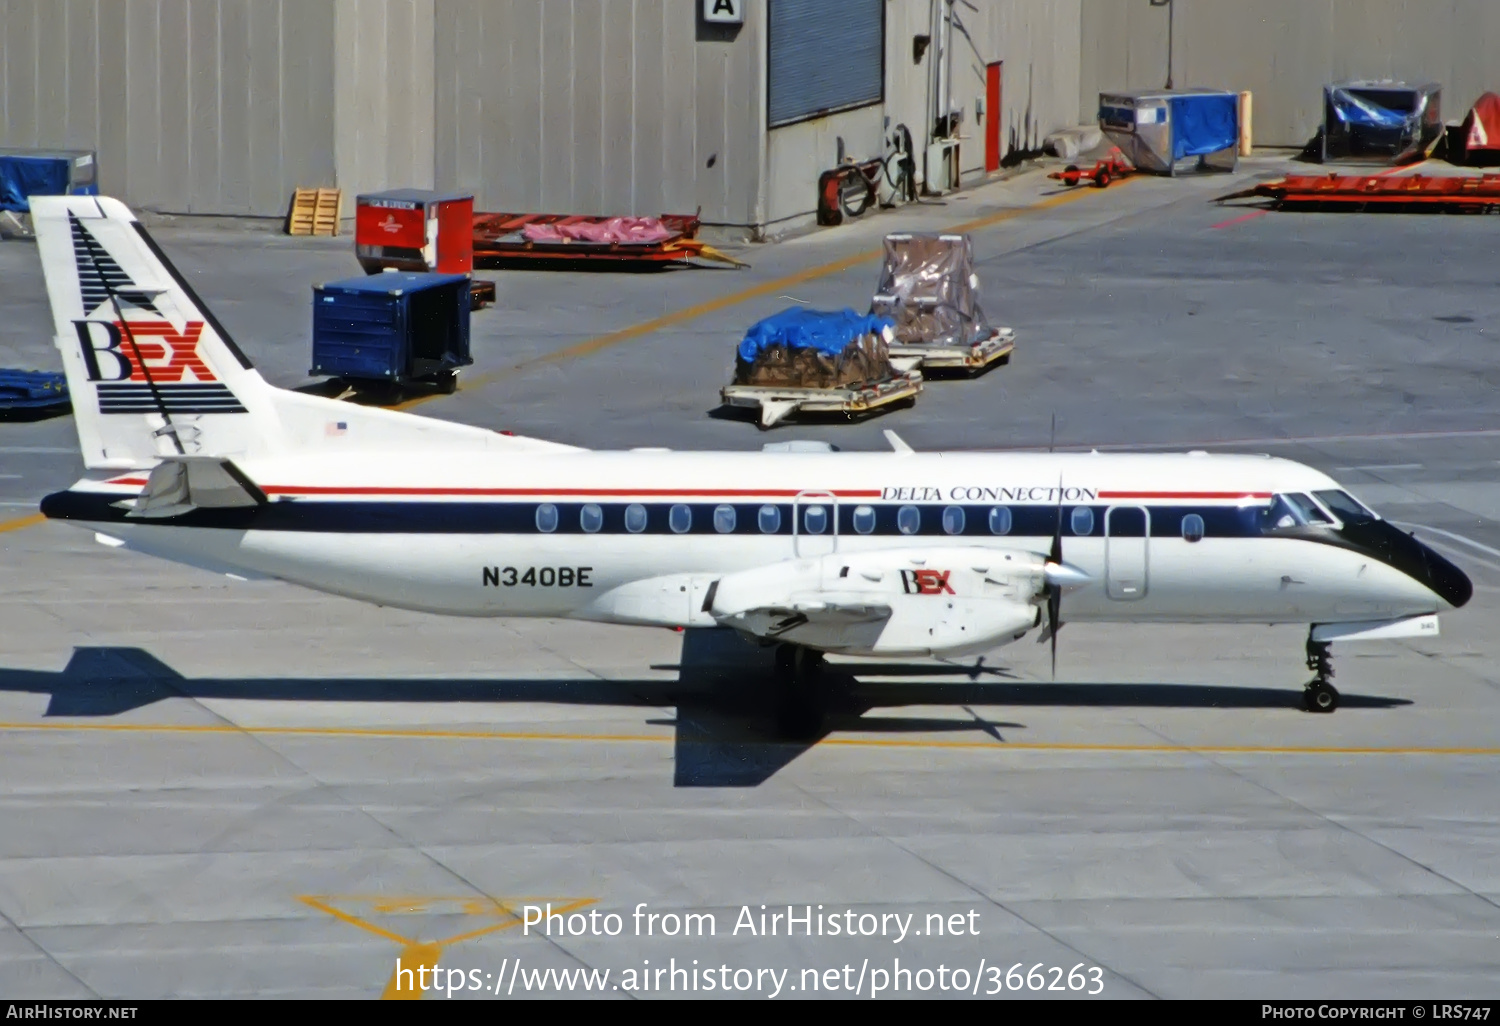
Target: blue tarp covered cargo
(1389, 122)
(826, 331)
(38, 173)
(1158, 128)
(31, 391)
(1204, 123)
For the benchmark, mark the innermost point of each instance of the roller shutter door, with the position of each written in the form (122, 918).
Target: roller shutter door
(824, 56)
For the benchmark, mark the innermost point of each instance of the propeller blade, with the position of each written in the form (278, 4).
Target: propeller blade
(1055, 556)
(1051, 572)
(1054, 620)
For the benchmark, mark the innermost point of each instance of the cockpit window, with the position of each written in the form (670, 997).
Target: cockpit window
(1311, 514)
(1291, 510)
(1280, 514)
(1346, 507)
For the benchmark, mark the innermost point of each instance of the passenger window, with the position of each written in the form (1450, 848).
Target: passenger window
(1192, 527)
(680, 519)
(635, 518)
(1082, 520)
(1000, 520)
(815, 520)
(909, 520)
(1346, 507)
(546, 518)
(724, 519)
(769, 519)
(864, 519)
(1310, 512)
(591, 518)
(953, 520)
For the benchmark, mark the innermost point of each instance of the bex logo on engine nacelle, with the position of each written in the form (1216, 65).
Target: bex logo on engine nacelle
(926, 582)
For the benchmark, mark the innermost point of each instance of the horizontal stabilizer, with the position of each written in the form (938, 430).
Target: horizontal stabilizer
(182, 483)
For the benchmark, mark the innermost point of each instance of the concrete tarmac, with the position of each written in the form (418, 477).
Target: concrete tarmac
(219, 788)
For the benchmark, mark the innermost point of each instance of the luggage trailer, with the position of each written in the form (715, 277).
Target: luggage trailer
(776, 403)
(993, 350)
(924, 274)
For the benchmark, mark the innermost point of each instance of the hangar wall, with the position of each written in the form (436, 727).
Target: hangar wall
(229, 103)
(604, 106)
(1285, 51)
(1038, 44)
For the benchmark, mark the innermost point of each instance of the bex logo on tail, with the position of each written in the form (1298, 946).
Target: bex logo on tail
(158, 347)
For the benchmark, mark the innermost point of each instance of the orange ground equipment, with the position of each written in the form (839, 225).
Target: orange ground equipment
(1478, 194)
(1111, 168)
(502, 239)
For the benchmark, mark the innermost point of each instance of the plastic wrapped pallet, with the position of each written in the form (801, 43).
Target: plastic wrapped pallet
(929, 290)
(814, 349)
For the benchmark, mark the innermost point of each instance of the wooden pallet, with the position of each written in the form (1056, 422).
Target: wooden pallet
(315, 212)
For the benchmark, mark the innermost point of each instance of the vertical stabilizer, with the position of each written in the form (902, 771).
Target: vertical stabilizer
(150, 371)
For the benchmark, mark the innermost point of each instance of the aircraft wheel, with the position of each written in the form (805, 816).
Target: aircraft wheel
(447, 382)
(1320, 697)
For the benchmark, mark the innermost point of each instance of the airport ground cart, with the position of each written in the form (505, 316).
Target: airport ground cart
(930, 293)
(390, 330)
(776, 403)
(550, 239)
(993, 350)
(818, 361)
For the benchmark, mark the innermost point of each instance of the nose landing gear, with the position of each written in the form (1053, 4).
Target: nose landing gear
(1320, 696)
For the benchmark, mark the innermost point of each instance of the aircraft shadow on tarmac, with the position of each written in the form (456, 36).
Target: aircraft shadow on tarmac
(725, 724)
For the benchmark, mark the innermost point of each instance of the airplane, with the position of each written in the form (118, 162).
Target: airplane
(800, 546)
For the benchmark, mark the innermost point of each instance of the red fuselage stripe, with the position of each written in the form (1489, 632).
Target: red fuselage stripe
(1185, 495)
(712, 493)
(686, 493)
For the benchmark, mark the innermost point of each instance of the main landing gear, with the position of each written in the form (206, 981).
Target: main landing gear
(1320, 696)
(800, 699)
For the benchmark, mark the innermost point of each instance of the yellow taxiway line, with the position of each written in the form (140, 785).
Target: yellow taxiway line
(766, 288)
(20, 522)
(852, 742)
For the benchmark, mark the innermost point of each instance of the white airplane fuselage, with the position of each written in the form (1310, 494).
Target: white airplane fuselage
(859, 553)
(462, 534)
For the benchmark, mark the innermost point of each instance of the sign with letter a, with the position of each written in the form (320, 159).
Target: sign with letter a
(724, 12)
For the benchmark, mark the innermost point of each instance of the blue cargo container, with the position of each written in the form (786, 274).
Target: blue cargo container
(395, 327)
(25, 173)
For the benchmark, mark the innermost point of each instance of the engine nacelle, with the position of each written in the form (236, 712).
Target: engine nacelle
(898, 602)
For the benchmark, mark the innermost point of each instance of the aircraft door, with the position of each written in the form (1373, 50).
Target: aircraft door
(1127, 536)
(815, 524)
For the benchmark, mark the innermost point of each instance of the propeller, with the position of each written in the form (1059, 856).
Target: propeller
(1057, 575)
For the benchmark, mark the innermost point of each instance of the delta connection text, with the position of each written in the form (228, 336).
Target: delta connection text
(751, 921)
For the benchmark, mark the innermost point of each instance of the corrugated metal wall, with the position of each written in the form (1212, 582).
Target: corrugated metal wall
(1285, 51)
(384, 82)
(195, 106)
(1038, 43)
(599, 106)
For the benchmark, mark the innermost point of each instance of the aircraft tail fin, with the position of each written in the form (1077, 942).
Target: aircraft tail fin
(153, 375)
(150, 371)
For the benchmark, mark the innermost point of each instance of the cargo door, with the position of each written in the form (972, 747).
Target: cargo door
(815, 524)
(1127, 534)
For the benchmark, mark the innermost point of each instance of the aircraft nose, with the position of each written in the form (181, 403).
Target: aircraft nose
(1447, 581)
